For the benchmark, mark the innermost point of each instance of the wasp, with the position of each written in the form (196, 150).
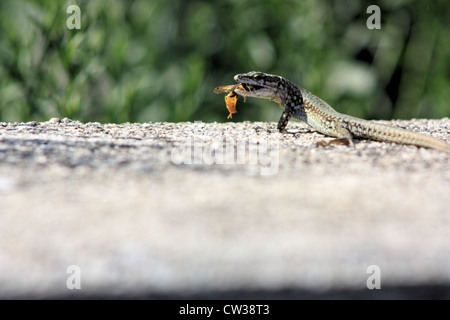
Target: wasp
(230, 98)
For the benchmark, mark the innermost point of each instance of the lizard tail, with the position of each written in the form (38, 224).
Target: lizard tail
(386, 133)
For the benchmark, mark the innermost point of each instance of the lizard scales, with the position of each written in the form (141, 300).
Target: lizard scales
(305, 106)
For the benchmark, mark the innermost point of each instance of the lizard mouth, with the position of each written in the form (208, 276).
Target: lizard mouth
(251, 87)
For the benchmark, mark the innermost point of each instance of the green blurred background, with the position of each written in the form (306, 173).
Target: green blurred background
(141, 60)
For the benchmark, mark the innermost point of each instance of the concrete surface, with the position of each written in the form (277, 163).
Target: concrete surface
(123, 210)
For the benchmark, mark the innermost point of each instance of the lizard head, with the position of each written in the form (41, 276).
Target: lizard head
(259, 85)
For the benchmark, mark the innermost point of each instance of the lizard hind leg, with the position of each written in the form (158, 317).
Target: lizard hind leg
(343, 137)
(338, 141)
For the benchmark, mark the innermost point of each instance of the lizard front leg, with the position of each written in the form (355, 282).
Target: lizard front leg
(284, 119)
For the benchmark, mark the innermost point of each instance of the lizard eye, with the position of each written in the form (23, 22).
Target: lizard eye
(258, 77)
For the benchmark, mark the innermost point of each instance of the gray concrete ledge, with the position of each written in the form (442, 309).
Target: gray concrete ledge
(281, 218)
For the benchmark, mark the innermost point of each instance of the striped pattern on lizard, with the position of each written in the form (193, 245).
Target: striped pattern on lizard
(303, 105)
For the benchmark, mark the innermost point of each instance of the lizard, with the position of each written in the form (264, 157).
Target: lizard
(305, 106)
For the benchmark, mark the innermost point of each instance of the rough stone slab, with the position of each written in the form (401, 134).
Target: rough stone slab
(122, 202)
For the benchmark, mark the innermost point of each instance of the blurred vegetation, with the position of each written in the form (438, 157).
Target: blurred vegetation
(159, 60)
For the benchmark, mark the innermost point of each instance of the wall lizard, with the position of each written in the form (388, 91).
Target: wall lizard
(303, 105)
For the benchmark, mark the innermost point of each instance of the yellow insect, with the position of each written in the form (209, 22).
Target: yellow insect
(231, 98)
